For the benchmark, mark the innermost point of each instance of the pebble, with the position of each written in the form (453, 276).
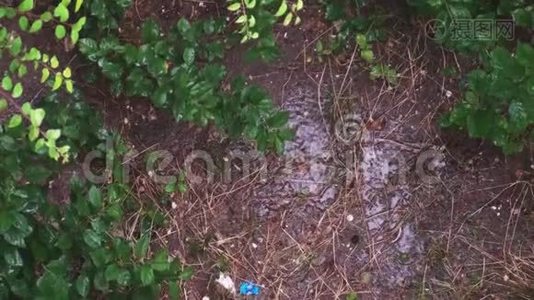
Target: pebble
(350, 218)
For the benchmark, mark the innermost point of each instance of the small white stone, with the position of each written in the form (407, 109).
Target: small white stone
(494, 207)
(254, 245)
(174, 205)
(506, 277)
(350, 218)
(126, 121)
(205, 298)
(448, 94)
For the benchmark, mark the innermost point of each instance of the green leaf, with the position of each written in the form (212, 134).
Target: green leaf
(46, 16)
(58, 81)
(16, 46)
(282, 9)
(24, 23)
(146, 275)
(112, 272)
(60, 32)
(67, 72)
(124, 277)
(7, 83)
(91, 238)
(287, 19)
(45, 74)
(25, 5)
(100, 282)
(95, 197)
(189, 55)
(15, 121)
(518, 116)
(241, 19)
(52, 134)
(142, 245)
(161, 261)
(33, 133)
(69, 86)
(82, 285)
(174, 291)
(12, 257)
(368, 55)
(61, 12)
(37, 116)
(78, 5)
(150, 32)
(17, 90)
(250, 4)
(54, 62)
(36, 26)
(479, 123)
(234, 6)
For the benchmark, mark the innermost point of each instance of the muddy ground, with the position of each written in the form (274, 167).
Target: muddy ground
(370, 198)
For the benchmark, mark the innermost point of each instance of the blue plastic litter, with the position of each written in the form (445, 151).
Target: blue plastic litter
(249, 289)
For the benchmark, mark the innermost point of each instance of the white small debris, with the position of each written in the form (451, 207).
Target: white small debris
(205, 298)
(254, 245)
(150, 173)
(174, 205)
(201, 4)
(169, 231)
(506, 277)
(226, 282)
(350, 218)
(532, 167)
(494, 207)
(448, 93)
(285, 35)
(126, 121)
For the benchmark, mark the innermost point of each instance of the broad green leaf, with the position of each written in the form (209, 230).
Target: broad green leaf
(189, 55)
(91, 238)
(95, 197)
(241, 19)
(150, 31)
(300, 5)
(53, 134)
(25, 5)
(368, 55)
(7, 83)
(282, 9)
(54, 62)
(100, 282)
(22, 70)
(82, 285)
(67, 73)
(33, 133)
(124, 277)
(78, 5)
(60, 31)
(16, 46)
(37, 116)
(58, 81)
(174, 291)
(161, 261)
(234, 6)
(17, 90)
(61, 12)
(12, 257)
(142, 245)
(36, 26)
(46, 16)
(112, 272)
(69, 86)
(45, 74)
(15, 121)
(287, 19)
(24, 23)
(250, 4)
(146, 275)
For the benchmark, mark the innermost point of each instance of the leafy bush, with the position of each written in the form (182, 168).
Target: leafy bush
(448, 11)
(165, 68)
(498, 104)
